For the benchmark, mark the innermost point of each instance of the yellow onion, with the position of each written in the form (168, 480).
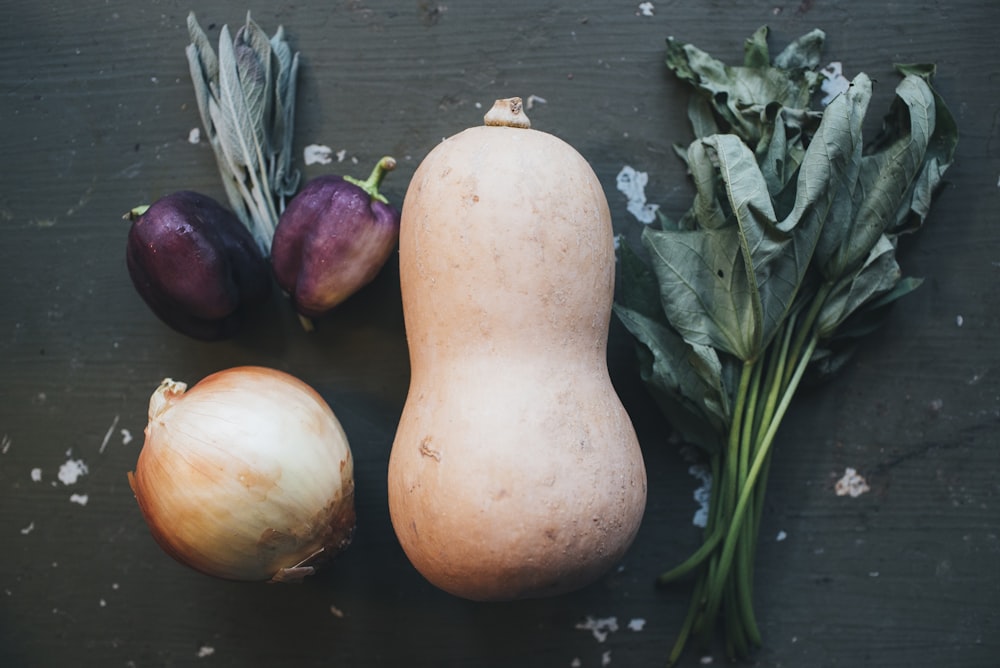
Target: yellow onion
(246, 476)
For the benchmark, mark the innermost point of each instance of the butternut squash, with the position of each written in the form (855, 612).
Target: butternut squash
(515, 471)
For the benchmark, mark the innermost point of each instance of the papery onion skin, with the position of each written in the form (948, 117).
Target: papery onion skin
(246, 476)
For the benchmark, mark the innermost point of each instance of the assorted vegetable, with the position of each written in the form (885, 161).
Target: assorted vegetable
(515, 471)
(784, 262)
(248, 475)
(334, 239)
(195, 265)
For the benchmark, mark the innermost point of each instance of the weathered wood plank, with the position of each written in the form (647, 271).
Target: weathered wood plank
(96, 111)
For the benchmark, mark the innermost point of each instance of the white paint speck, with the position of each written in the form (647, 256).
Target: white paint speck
(575, 663)
(5, 444)
(851, 484)
(36, 475)
(317, 154)
(126, 436)
(959, 320)
(204, 651)
(636, 624)
(873, 574)
(706, 660)
(71, 471)
(606, 658)
(702, 495)
(632, 184)
(341, 154)
(781, 536)
(28, 529)
(194, 137)
(336, 612)
(102, 603)
(600, 627)
(834, 82)
(645, 9)
(532, 100)
(80, 499)
(107, 435)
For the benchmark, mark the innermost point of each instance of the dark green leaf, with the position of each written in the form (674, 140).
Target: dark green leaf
(803, 54)
(638, 289)
(877, 276)
(739, 96)
(236, 127)
(686, 381)
(252, 50)
(755, 50)
(703, 285)
(204, 68)
(845, 241)
(939, 156)
(891, 168)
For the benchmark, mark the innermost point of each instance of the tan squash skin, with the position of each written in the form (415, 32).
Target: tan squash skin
(515, 470)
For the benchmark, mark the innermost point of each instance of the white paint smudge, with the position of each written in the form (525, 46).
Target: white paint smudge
(336, 612)
(851, 484)
(204, 651)
(194, 137)
(706, 660)
(80, 499)
(636, 624)
(606, 658)
(645, 9)
(71, 471)
(781, 536)
(126, 436)
(632, 184)
(28, 529)
(702, 495)
(107, 435)
(600, 627)
(575, 663)
(532, 100)
(5, 444)
(317, 154)
(834, 82)
(959, 320)
(36, 475)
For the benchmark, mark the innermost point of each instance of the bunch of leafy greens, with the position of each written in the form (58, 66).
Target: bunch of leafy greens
(246, 98)
(785, 260)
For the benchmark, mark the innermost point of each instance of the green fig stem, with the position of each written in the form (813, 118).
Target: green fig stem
(136, 213)
(385, 164)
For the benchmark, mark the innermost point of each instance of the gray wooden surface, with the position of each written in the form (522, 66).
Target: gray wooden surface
(95, 113)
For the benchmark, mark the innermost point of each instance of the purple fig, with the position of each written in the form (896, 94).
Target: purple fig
(333, 239)
(195, 265)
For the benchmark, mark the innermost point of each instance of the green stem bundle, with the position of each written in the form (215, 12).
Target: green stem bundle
(724, 562)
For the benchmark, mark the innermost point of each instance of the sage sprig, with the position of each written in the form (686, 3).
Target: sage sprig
(784, 261)
(246, 98)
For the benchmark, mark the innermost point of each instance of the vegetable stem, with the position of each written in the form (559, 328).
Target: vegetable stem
(385, 165)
